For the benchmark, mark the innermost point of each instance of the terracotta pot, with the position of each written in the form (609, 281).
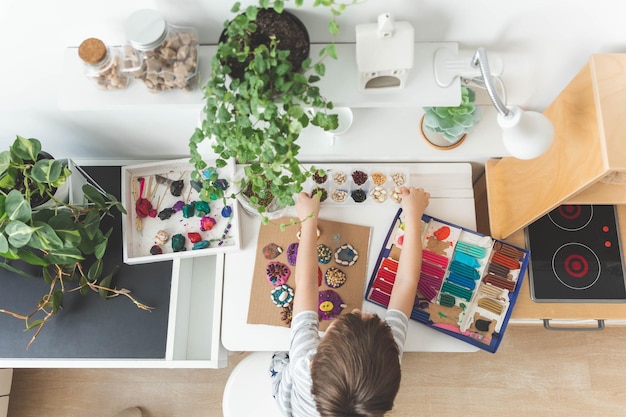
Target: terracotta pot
(436, 140)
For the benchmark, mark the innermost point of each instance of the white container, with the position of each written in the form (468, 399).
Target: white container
(71, 191)
(340, 183)
(138, 241)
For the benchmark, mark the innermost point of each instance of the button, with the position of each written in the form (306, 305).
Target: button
(607, 243)
(605, 229)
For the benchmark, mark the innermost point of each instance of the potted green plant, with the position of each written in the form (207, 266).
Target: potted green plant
(62, 237)
(256, 115)
(446, 127)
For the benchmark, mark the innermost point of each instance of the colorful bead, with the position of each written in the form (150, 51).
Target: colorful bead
(292, 253)
(156, 250)
(282, 296)
(277, 273)
(334, 277)
(176, 188)
(324, 254)
(162, 236)
(178, 243)
(166, 213)
(194, 237)
(189, 210)
(221, 183)
(330, 305)
(178, 206)
(143, 207)
(227, 211)
(203, 244)
(346, 255)
(206, 174)
(271, 251)
(207, 223)
(202, 208)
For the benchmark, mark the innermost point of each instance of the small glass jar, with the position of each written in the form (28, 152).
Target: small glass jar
(103, 64)
(163, 56)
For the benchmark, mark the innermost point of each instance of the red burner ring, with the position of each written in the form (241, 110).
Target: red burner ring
(569, 212)
(576, 266)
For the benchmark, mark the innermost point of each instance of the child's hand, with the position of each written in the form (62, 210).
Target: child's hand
(307, 205)
(414, 201)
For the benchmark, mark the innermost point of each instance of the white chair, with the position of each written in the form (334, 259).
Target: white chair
(248, 391)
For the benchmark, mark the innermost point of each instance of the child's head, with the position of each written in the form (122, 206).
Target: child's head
(356, 370)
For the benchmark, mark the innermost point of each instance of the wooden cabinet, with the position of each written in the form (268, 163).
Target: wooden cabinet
(586, 163)
(527, 311)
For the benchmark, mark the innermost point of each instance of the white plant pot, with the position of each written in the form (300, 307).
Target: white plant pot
(72, 191)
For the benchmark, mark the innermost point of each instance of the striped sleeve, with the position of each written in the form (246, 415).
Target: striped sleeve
(399, 324)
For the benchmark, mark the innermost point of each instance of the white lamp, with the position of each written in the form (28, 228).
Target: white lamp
(526, 134)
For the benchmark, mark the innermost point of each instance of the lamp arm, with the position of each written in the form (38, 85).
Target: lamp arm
(480, 61)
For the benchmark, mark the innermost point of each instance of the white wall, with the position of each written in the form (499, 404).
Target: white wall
(544, 43)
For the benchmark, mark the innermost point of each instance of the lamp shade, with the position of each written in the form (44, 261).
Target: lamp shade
(525, 134)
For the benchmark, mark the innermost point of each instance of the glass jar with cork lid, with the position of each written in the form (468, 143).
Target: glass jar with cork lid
(163, 56)
(103, 64)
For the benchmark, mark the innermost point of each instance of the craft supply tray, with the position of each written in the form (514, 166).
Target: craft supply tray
(359, 184)
(223, 236)
(468, 285)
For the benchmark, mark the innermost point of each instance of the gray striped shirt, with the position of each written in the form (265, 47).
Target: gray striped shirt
(294, 391)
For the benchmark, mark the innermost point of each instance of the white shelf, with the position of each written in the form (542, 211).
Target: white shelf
(194, 324)
(340, 84)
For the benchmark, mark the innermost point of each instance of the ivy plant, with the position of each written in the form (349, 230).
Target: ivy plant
(258, 119)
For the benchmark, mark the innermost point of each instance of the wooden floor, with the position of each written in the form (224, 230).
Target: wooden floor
(535, 373)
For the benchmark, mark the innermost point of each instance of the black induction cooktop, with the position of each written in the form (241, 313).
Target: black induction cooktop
(576, 256)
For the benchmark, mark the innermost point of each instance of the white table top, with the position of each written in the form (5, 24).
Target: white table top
(452, 199)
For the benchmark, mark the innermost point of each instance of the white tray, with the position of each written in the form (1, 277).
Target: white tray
(137, 243)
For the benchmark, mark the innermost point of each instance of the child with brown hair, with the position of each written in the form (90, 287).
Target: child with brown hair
(354, 369)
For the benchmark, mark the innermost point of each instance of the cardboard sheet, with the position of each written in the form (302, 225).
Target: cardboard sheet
(332, 234)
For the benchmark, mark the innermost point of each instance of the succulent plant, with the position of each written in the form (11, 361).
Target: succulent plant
(453, 122)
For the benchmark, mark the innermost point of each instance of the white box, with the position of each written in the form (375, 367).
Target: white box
(137, 241)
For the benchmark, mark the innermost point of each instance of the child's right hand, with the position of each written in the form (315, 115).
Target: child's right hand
(414, 201)
(307, 205)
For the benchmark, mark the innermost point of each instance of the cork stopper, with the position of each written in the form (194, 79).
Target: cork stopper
(92, 51)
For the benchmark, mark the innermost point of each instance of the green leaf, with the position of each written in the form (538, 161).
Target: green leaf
(4, 243)
(251, 12)
(5, 160)
(331, 50)
(333, 29)
(57, 300)
(91, 223)
(64, 256)
(27, 149)
(47, 171)
(18, 233)
(235, 7)
(31, 258)
(95, 270)
(16, 207)
(32, 324)
(44, 237)
(93, 195)
(320, 69)
(279, 6)
(66, 229)
(106, 282)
